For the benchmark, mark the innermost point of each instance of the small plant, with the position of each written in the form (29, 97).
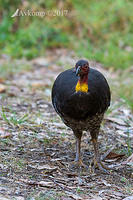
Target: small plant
(20, 163)
(128, 186)
(78, 190)
(13, 120)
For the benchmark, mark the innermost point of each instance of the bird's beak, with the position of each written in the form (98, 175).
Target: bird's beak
(78, 70)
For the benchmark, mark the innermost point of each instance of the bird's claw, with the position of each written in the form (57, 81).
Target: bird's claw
(79, 164)
(98, 164)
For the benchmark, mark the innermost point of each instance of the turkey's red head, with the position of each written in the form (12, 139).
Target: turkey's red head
(82, 68)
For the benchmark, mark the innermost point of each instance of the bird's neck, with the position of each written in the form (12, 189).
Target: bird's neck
(82, 84)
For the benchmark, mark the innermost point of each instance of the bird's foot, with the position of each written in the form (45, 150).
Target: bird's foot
(98, 164)
(78, 164)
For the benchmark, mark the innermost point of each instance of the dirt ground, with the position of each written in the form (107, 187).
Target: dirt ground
(36, 148)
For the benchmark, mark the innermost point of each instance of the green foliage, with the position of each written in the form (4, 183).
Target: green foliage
(98, 30)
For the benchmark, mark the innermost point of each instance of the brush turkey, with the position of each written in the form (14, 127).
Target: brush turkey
(81, 96)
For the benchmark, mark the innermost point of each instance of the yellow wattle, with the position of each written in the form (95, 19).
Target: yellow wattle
(81, 87)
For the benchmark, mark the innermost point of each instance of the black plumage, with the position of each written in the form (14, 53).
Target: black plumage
(80, 108)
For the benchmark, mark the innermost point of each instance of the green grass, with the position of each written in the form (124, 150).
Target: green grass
(49, 195)
(99, 30)
(128, 186)
(13, 118)
(12, 66)
(122, 87)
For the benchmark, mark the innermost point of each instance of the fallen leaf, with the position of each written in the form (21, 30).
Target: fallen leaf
(40, 183)
(2, 88)
(107, 153)
(4, 198)
(128, 198)
(71, 174)
(40, 84)
(113, 155)
(119, 127)
(4, 134)
(116, 120)
(126, 111)
(42, 62)
(39, 121)
(45, 184)
(43, 167)
(18, 198)
(127, 134)
(105, 183)
(74, 196)
(37, 84)
(129, 161)
(47, 92)
(2, 80)
(96, 198)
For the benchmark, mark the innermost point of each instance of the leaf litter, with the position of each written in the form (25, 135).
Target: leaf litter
(36, 152)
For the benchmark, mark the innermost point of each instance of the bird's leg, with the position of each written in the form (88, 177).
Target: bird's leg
(78, 160)
(97, 159)
(78, 147)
